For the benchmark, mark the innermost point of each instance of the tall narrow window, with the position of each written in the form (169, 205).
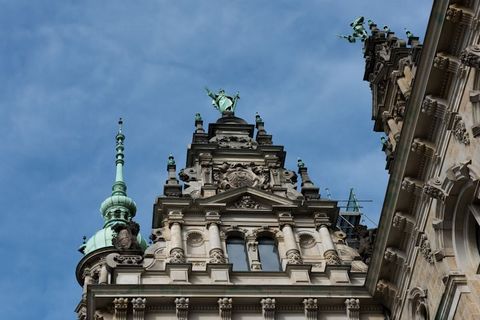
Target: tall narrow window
(268, 252)
(237, 253)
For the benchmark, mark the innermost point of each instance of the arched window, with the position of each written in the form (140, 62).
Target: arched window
(268, 254)
(237, 253)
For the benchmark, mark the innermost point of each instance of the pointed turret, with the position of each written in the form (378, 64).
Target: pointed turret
(309, 190)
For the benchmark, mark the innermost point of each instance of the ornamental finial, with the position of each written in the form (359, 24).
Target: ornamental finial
(223, 102)
(120, 124)
(300, 163)
(171, 160)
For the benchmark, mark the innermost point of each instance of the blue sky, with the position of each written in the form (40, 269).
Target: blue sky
(69, 69)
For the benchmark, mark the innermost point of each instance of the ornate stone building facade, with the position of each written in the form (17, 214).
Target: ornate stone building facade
(426, 100)
(238, 240)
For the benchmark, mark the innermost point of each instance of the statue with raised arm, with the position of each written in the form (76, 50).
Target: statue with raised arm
(222, 102)
(358, 29)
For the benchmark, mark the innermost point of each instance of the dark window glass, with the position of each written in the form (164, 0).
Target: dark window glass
(237, 254)
(268, 252)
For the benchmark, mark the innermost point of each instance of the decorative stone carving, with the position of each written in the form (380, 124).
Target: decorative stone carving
(433, 189)
(310, 308)
(429, 105)
(120, 306)
(128, 259)
(418, 303)
(459, 130)
(441, 62)
(225, 308)
(234, 141)
(236, 175)
(422, 147)
(471, 56)
(293, 257)
(425, 249)
(453, 14)
(126, 236)
(386, 288)
(195, 239)
(247, 202)
(177, 256)
(268, 308)
(332, 257)
(353, 309)
(217, 256)
(139, 308)
(394, 255)
(459, 171)
(181, 305)
(411, 185)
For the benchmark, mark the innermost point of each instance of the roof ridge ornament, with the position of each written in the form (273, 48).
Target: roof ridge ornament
(223, 102)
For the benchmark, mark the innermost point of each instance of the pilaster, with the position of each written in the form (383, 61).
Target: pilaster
(268, 308)
(120, 308)
(139, 308)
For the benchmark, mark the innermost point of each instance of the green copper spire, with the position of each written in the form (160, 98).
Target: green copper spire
(118, 208)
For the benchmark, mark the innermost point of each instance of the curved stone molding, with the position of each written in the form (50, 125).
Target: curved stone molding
(268, 308)
(353, 309)
(310, 308)
(225, 308)
(181, 307)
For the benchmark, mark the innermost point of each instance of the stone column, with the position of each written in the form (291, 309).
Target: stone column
(293, 254)
(216, 251)
(311, 309)
(268, 308)
(120, 305)
(353, 309)
(225, 308)
(139, 308)
(177, 255)
(181, 305)
(330, 253)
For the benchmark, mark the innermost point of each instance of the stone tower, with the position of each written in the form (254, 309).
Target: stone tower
(236, 240)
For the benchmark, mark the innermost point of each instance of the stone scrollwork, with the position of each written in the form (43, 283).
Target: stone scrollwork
(234, 141)
(177, 256)
(217, 256)
(128, 259)
(459, 130)
(433, 189)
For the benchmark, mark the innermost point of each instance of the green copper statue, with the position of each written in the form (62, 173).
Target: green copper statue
(300, 163)
(198, 117)
(171, 160)
(222, 102)
(358, 31)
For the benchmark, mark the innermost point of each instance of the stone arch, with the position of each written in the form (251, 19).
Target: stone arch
(455, 222)
(418, 306)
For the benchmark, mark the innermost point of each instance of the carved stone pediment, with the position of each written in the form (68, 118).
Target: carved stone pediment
(248, 198)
